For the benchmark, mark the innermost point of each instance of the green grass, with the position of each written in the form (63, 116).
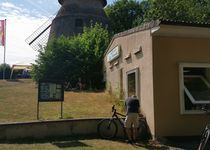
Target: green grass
(18, 102)
(70, 144)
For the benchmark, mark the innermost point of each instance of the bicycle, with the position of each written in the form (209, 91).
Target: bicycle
(205, 133)
(108, 128)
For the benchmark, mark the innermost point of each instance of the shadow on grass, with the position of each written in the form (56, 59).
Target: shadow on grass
(169, 143)
(65, 144)
(146, 144)
(61, 142)
(86, 91)
(179, 143)
(185, 142)
(14, 80)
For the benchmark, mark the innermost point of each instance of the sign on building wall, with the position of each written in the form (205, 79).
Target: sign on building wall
(113, 54)
(50, 91)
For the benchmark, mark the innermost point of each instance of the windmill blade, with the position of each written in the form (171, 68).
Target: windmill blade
(40, 37)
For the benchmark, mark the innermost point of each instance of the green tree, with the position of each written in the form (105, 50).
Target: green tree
(181, 10)
(123, 14)
(76, 57)
(7, 71)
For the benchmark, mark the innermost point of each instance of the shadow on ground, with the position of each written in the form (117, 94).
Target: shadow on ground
(74, 142)
(169, 143)
(173, 143)
(66, 144)
(146, 144)
(183, 143)
(14, 80)
(60, 142)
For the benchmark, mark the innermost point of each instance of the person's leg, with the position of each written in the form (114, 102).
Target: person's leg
(134, 133)
(129, 133)
(135, 127)
(127, 126)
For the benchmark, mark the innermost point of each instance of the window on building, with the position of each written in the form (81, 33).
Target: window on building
(78, 23)
(132, 83)
(195, 87)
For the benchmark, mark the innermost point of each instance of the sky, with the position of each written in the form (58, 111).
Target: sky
(23, 17)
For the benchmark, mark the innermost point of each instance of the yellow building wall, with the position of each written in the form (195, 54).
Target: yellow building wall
(168, 52)
(129, 44)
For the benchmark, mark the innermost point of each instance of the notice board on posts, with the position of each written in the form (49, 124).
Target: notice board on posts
(49, 91)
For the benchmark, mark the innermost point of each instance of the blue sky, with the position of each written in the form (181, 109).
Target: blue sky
(23, 18)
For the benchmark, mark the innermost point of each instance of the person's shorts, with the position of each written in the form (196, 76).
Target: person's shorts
(132, 120)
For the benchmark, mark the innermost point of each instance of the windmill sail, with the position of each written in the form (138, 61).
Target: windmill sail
(39, 38)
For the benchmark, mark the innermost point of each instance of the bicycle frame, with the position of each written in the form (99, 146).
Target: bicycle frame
(115, 115)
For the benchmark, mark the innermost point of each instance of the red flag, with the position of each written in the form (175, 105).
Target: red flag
(2, 32)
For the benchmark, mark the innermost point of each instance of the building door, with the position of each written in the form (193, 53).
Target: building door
(132, 83)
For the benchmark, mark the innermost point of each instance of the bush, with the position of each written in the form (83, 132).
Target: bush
(73, 58)
(7, 71)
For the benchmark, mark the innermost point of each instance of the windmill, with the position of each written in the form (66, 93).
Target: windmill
(70, 20)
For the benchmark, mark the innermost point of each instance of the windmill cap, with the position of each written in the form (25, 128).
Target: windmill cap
(103, 1)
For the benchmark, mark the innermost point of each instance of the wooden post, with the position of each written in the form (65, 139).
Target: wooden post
(38, 110)
(62, 110)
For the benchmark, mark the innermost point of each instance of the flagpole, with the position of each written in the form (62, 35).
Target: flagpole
(4, 49)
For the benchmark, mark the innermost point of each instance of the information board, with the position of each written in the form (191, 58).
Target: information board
(113, 54)
(50, 91)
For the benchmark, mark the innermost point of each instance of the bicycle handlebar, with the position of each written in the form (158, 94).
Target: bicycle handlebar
(113, 108)
(204, 108)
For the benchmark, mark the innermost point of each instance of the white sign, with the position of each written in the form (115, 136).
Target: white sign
(113, 54)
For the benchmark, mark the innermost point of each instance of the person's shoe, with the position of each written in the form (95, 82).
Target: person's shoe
(129, 142)
(134, 142)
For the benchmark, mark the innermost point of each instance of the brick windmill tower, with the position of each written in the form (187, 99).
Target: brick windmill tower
(75, 14)
(70, 20)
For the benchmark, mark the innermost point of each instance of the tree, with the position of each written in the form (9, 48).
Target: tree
(123, 14)
(178, 10)
(7, 71)
(75, 57)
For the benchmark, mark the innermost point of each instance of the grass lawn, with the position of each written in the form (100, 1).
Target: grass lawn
(18, 102)
(71, 144)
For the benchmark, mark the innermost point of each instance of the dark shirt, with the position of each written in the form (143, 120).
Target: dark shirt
(132, 105)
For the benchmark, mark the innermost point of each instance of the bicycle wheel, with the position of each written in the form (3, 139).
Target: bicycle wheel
(107, 129)
(204, 139)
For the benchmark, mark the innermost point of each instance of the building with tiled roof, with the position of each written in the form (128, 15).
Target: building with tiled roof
(167, 65)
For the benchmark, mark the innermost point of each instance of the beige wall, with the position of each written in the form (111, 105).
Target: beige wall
(129, 44)
(46, 129)
(168, 53)
(57, 128)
